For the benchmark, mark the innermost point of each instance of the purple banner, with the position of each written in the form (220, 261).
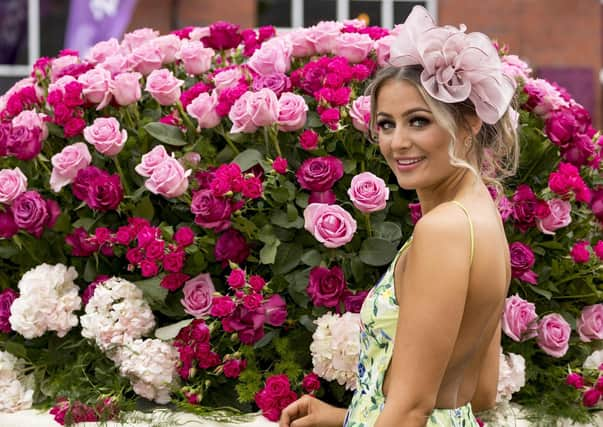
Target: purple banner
(92, 21)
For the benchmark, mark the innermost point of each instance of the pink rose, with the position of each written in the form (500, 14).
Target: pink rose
(519, 320)
(103, 50)
(195, 58)
(115, 64)
(276, 310)
(382, 48)
(329, 224)
(61, 63)
(301, 45)
(590, 323)
(125, 88)
(151, 160)
(105, 135)
(553, 335)
(168, 179)
(198, 293)
(31, 120)
(163, 86)
(324, 35)
(13, 183)
(274, 56)
(203, 108)
(361, 113)
(146, 58)
(240, 116)
(354, 47)
(67, 164)
(263, 107)
(227, 79)
(168, 45)
(368, 192)
(96, 86)
(558, 217)
(292, 112)
(197, 33)
(138, 37)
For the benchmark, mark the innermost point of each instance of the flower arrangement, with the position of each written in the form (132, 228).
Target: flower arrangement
(209, 197)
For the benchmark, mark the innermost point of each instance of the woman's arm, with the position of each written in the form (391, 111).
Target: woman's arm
(484, 397)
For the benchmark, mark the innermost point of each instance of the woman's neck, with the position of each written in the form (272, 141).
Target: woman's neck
(455, 186)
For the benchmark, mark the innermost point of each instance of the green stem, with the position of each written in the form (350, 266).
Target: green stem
(230, 142)
(369, 229)
(276, 143)
(592, 294)
(121, 173)
(187, 121)
(129, 119)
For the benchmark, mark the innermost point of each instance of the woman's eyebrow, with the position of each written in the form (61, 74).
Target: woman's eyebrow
(406, 113)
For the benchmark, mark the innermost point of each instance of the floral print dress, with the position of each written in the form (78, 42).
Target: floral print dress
(379, 316)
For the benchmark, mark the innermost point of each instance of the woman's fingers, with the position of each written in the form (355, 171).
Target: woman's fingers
(295, 410)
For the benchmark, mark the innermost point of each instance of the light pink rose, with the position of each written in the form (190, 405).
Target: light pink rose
(292, 112)
(227, 78)
(138, 37)
(61, 83)
(515, 67)
(58, 64)
(67, 163)
(105, 135)
(146, 58)
(368, 192)
(151, 160)
(361, 113)
(102, 50)
(274, 56)
(203, 108)
(125, 87)
(324, 35)
(164, 87)
(263, 107)
(239, 115)
(301, 45)
(198, 295)
(168, 45)
(195, 58)
(590, 323)
(558, 218)
(13, 183)
(198, 33)
(115, 64)
(553, 335)
(519, 320)
(382, 47)
(96, 86)
(331, 225)
(354, 47)
(168, 179)
(31, 120)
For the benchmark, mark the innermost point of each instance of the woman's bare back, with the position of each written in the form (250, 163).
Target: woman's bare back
(489, 282)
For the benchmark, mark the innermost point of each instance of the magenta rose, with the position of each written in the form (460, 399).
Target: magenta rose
(125, 88)
(203, 109)
(580, 253)
(236, 278)
(6, 300)
(319, 173)
(553, 335)
(276, 310)
(67, 164)
(222, 35)
(560, 126)
(596, 204)
(558, 217)
(184, 236)
(81, 243)
(368, 192)
(231, 246)
(353, 302)
(23, 143)
(234, 367)
(198, 294)
(222, 306)
(13, 183)
(590, 323)
(210, 211)
(415, 212)
(292, 112)
(168, 179)
(248, 324)
(8, 228)
(308, 140)
(329, 197)
(598, 249)
(519, 320)
(311, 382)
(522, 261)
(579, 151)
(591, 397)
(105, 192)
(106, 136)
(525, 205)
(331, 225)
(151, 160)
(326, 287)
(33, 214)
(163, 86)
(575, 380)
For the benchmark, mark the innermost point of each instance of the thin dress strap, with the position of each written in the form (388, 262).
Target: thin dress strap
(470, 228)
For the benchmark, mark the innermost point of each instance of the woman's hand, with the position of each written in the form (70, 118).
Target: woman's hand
(308, 411)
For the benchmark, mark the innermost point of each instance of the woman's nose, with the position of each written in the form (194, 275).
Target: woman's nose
(400, 140)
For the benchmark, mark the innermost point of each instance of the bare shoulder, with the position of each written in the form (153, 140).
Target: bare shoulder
(447, 224)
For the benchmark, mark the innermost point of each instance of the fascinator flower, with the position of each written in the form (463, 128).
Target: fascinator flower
(456, 66)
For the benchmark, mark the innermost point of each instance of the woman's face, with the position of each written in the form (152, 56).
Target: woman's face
(413, 144)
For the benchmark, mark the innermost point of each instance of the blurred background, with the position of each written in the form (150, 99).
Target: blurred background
(560, 39)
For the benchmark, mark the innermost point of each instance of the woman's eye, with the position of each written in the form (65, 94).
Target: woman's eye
(419, 122)
(384, 124)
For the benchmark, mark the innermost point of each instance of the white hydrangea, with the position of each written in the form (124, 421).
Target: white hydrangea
(511, 375)
(594, 360)
(48, 298)
(335, 348)
(16, 389)
(150, 365)
(116, 314)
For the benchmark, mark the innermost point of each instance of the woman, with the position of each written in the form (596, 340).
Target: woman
(430, 336)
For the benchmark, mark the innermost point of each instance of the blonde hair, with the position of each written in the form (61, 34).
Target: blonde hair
(496, 147)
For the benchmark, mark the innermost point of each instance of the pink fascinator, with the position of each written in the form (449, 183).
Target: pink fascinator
(456, 66)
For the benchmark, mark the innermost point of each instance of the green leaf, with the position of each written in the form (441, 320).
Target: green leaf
(144, 208)
(280, 194)
(248, 158)
(541, 291)
(298, 282)
(90, 270)
(313, 120)
(389, 231)
(280, 218)
(265, 340)
(63, 223)
(153, 293)
(307, 322)
(377, 252)
(169, 332)
(349, 165)
(167, 134)
(288, 257)
(15, 348)
(268, 252)
(84, 222)
(266, 234)
(311, 258)
(8, 251)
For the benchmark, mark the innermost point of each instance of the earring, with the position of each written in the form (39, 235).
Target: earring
(468, 142)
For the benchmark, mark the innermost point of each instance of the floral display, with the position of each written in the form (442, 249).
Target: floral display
(196, 219)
